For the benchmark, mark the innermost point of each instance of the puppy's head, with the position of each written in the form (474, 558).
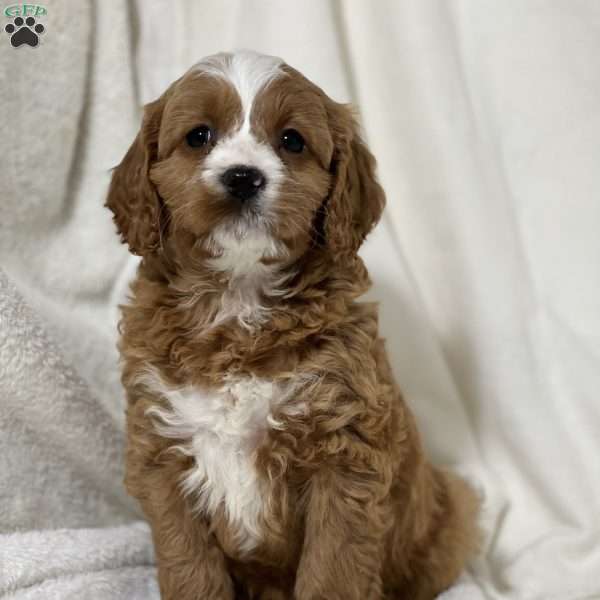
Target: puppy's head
(245, 150)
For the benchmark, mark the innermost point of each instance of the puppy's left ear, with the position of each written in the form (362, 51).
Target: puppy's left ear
(356, 199)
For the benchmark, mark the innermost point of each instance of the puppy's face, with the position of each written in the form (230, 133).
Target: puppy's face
(243, 149)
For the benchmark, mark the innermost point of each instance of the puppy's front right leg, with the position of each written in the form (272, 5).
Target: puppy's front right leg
(191, 565)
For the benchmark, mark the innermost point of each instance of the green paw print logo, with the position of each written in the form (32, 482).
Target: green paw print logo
(24, 30)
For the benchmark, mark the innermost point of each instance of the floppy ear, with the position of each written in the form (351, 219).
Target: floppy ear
(138, 210)
(356, 199)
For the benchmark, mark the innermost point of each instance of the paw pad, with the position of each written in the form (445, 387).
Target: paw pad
(24, 31)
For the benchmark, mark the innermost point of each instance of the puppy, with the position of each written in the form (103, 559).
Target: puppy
(268, 443)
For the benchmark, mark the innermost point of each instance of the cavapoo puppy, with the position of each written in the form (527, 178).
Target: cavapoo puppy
(268, 444)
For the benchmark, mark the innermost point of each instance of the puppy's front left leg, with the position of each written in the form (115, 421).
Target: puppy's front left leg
(343, 544)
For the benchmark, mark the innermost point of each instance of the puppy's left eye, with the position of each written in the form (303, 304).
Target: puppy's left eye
(200, 136)
(292, 141)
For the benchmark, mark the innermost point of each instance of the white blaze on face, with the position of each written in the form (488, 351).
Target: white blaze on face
(240, 244)
(249, 73)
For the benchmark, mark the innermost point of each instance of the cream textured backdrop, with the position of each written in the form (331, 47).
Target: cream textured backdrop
(485, 119)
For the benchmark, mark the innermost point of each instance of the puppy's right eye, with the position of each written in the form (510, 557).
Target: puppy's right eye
(200, 136)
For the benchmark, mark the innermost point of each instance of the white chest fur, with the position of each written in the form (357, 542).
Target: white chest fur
(222, 430)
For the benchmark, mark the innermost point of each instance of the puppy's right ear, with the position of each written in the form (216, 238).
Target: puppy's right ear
(138, 210)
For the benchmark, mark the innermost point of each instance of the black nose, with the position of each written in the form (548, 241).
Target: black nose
(243, 182)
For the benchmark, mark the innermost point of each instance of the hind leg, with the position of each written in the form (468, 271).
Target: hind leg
(434, 538)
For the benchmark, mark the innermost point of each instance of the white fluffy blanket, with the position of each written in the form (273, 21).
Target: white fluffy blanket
(484, 116)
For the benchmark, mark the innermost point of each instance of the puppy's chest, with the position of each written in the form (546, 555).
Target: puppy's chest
(223, 430)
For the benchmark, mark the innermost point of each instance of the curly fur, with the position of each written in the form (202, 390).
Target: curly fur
(273, 454)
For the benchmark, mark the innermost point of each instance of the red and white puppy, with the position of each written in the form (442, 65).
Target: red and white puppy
(269, 445)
